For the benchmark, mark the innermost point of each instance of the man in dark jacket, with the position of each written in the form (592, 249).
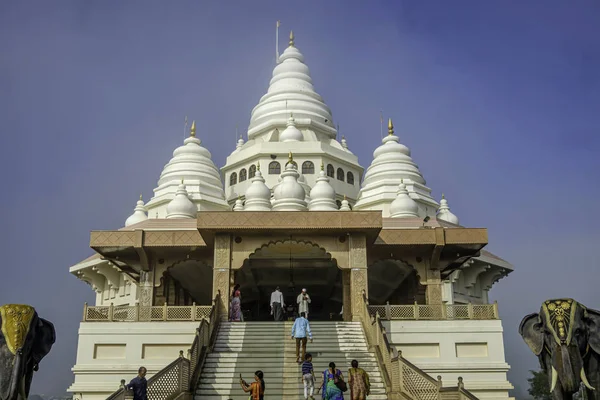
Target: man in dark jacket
(139, 385)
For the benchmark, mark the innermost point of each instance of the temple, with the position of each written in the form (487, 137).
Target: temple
(395, 280)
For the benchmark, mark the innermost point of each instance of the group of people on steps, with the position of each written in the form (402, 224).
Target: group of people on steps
(277, 304)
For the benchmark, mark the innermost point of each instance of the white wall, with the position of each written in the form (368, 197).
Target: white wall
(110, 351)
(471, 349)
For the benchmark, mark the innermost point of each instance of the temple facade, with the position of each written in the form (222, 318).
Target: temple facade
(292, 207)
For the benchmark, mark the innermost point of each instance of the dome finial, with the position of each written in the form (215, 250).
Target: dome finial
(140, 196)
(443, 196)
(322, 166)
(182, 181)
(390, 127)
(258, 166)
(193, 129)
(291, 38)
(290, 157)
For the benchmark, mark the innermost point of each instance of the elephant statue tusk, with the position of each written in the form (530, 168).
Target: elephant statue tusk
(554, 379)
(584, 380)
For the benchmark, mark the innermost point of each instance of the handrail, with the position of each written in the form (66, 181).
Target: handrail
(402, 378)
(181, 375)
(435, 311)
(137, 313)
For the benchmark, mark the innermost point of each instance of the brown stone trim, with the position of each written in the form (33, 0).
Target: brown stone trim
(282, 220)
(173, 239)
(433, 237)
(112, 239)
(466, 236)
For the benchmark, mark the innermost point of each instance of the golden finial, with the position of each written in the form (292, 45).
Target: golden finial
(322, 166)
(182, 181)
(401, 180)
(140, 196)
(443, 197)
(193, 129)
(290, 157)
(258, 166)
(390, 127)
(345, 197)
(291, 38)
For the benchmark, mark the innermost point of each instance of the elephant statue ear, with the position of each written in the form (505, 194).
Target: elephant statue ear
(592, 319)
(532, 331)
(45, 336)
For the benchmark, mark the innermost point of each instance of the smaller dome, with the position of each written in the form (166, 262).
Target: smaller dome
(240, 144)
(181, 206)
(444, 212)
(291, 133)
(322, 195)
(345, 144)
(139, 213)
(404, 206)
(239, 205)
(345, 205)
(258, 194)
(289, 195)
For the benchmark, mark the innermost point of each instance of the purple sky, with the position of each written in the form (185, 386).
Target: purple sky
(498, 100)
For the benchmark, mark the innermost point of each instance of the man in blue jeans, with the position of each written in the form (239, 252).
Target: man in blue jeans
(139, 385)
(299, 331)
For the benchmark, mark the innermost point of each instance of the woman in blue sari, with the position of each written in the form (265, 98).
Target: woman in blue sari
(329, 389)
(236, 308)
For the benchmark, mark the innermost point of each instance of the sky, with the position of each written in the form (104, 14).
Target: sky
(498, 101)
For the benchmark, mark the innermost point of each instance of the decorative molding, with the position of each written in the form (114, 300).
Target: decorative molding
(173, 239)
(466, 236)
(112, 239)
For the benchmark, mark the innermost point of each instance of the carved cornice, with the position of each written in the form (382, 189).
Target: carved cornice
(433, 237)
(154, 238)
(112, 239)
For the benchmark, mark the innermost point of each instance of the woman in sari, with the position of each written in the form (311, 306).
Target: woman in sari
(235, 315)
(358, 381)
(329, 389)
(256, 388)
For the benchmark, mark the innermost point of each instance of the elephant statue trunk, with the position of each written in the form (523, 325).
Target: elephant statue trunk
(25, 340)
(565, 336)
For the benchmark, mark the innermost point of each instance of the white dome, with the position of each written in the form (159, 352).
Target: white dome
(239, 205)
(139, 213)
(289, 195)
(444, 212)
(193, 163)
(181, 206)
(345, 205)
(291, 89)
(291, 133)
(258, 195)
(391, 164)
(403, 206)
(322, 195)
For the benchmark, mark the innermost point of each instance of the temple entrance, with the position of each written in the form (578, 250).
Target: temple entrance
(292, 266)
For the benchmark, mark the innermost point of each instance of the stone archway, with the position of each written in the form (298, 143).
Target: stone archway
(394, 281)
(291, 264)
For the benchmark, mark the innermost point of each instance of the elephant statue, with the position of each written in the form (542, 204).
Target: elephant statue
(25, 340)
(565, 336)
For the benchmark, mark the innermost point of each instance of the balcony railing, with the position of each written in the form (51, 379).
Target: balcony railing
(137, 313)
(435, 311)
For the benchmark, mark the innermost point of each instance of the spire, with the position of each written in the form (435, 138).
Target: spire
(322, 166)
(390, 127)
(258, 195)
(193, 129)
(345, 205)
(291, 38)
(290, 159)
(258, 166)
(403, 206)
(181, 206)
(445, 214)
(140, 196)
(291, 133)
(322, 195)
(139, 213)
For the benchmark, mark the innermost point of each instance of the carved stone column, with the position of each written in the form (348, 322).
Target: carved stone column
(358, 273)
(146, 294)
(433, 293)
(221, 273)
(346, 295)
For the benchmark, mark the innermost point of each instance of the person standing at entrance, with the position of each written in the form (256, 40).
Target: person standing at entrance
(303, 301)
(277, 305)
(300, 329)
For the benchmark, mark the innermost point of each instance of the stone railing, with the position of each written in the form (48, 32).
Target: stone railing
(178, 380)
(404, 380)
(435, 311)
(139, 313)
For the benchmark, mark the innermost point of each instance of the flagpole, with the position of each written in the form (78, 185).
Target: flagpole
(277, 43)
(381, 124)
(185, 128)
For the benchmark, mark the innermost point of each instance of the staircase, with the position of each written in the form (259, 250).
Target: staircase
(244, 347)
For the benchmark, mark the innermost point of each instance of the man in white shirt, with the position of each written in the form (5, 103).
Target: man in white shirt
(303, 301)
(277, 305)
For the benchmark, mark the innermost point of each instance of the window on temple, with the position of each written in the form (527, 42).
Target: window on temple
(330, 171)
(350, 178)
(274, 168)
(340, 174)
(252, 171)
(232, 179)
(243, 175)
(308, 167)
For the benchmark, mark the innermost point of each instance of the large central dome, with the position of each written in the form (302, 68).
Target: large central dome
(290, 88)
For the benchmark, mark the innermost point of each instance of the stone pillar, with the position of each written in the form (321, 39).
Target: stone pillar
(221, 273)
(346, 295)
(358, 273)
(433, 293)
(146, 294)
